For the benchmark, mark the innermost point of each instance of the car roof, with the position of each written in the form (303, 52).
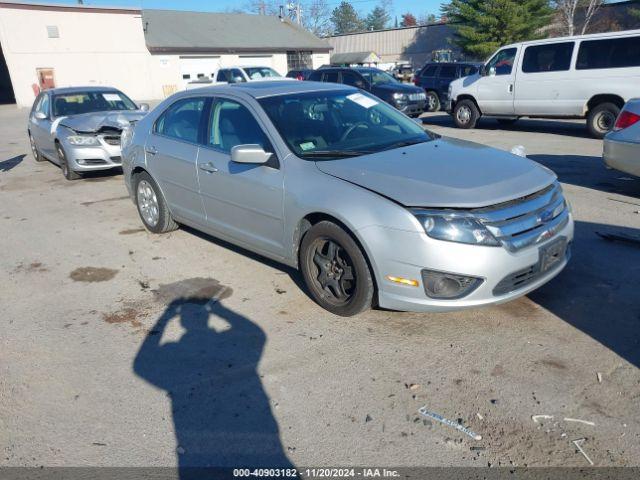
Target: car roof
(591, 36)
(63, 90)
(273, 88)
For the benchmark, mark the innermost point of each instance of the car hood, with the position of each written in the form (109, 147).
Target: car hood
(443, 173)
(95, 121)
(397, 87)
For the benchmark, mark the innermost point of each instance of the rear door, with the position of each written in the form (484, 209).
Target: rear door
(242, 201)
(172, 154)
(428, 77)
(496, 90)
(447, 74)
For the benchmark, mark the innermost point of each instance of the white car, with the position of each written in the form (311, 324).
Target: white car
(241, 74)
(588, 76)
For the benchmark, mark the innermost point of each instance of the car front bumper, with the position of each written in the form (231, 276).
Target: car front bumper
(85, 158)
(414, 108)
(406, 254)
(620, 155)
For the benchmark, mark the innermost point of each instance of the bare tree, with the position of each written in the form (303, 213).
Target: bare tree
(317, 17)
(568, 9)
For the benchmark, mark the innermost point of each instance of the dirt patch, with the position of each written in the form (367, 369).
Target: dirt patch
(127, 315)
(552, 363)
(92, 274)
(131, 231)
(194, 290)
(33, 267)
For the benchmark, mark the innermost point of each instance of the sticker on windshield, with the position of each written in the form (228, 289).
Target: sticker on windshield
(112, 97)
(307, 146)
(362, 100)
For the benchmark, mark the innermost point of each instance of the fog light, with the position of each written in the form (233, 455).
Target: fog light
(448, 286)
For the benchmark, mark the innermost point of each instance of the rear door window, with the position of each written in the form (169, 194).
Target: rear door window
(430, 71)
(352, 78)
(609, 53)
(553, 57)
(182, 120)
(466, 70)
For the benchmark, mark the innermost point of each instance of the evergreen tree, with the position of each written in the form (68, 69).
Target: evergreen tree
(482, 26)
(345, 19)
(377, 19)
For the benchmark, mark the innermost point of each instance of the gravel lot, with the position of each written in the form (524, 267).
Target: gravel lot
(266, 375)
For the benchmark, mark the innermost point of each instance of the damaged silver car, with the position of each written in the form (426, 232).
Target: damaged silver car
(79, 128)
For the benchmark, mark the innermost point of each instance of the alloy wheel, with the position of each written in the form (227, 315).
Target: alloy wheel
(148, 203)
(335, 272)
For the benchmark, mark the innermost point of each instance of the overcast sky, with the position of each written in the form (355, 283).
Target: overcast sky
(417, 7)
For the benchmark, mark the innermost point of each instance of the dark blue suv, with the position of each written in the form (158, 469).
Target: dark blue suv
(436, 77)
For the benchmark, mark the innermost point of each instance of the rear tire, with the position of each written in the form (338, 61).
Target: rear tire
(466, 114)
(602, 118)
(152, 206)
(433, 101)
(36, 154)
(64, 164)
(335, 270)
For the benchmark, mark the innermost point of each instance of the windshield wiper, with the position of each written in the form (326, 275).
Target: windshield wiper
(335, 153)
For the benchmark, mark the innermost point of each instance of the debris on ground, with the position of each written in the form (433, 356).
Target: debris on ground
(599, 377)
(577, 443)
(458, 426)
(620, 237)
(537, 418)
(577, 420)
(480, 417)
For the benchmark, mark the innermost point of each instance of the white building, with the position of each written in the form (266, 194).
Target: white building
(148, 54)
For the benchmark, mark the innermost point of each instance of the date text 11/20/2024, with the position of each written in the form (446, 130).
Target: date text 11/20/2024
(312, 473)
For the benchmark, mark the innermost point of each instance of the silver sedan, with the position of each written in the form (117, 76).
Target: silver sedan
(622, 144)
(79, 128)
(370, 207)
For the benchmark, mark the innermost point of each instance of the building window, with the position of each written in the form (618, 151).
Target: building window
(298, 60)
(52, 31)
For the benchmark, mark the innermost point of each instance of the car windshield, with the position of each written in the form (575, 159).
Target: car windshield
(339, 124)
(377, 77)
(86, 102)
(260, 72)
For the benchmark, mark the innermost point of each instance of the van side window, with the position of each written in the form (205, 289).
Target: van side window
(552, 57)
(503, 61)
(181, 120)
(609, 53)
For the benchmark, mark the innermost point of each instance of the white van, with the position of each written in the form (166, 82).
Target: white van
(588, 76)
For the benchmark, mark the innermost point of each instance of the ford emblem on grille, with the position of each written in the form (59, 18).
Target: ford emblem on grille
(546, 216)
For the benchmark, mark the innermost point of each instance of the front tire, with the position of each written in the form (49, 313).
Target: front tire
(152, 206)
(335, 270)
(466, 114)
(601, 119)
(433, 102)
(68, 173)
(36, 154)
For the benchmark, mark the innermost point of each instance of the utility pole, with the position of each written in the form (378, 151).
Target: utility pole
(295, 11)
(262, 8)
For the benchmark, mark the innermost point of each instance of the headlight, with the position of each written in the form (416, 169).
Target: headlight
(126, 137)
(400, 98)
(83, 140)
(456, 227)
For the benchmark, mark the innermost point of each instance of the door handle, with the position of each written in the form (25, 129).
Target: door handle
(208, 167)
(510, 88)
(151, 150)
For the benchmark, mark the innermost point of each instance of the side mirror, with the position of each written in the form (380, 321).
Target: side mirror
(144, 107)
(250, 153)
(40, 116)
(492, 72)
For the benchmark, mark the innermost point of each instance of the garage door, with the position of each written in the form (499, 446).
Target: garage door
(193, 68)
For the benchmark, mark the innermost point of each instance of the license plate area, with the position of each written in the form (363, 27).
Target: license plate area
(552, 254)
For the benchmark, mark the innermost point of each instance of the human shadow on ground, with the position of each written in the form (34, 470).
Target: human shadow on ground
(221, 412)
(597, 292)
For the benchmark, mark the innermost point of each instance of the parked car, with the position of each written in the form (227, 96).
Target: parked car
(242, 74)
(622, 145)
(409, 99)
(79, 128)
(436, 77)
(588, 76)
(403, 72)
(366, 203)
(300, 74)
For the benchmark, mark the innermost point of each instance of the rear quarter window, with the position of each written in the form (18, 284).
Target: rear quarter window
(609, 53)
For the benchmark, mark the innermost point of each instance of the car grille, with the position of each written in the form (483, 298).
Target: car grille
(112, 139)
(416, 97)
(528, 220)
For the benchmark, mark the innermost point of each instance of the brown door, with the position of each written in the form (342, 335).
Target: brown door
(46, 78)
